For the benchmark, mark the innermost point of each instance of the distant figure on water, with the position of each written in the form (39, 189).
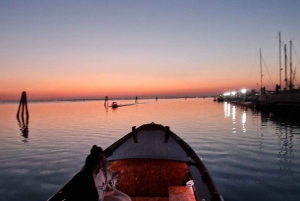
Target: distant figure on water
(156, 98)
(136, 99)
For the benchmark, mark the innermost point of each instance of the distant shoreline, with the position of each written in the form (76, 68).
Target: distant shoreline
(96, 99)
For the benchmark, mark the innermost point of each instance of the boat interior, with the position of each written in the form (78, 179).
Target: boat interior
(154, 179)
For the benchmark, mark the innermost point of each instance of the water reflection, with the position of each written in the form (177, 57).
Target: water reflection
(233, 113)
(244, 121)
(23, 124)
(286, 128)
(227, 109)
(233, 118)
(106, 107)
(285, 144)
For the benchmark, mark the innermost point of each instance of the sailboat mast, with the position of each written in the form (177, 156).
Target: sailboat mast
(260, 70)
(291, 67)
(280, 60)
(285, 66)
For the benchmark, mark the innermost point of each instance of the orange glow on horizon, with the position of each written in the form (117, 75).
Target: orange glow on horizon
(126, 91)
(117, 86)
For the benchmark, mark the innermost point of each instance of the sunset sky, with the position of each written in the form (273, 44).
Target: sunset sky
(127, 48)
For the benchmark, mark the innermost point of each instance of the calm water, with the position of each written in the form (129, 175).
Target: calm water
(251, 156)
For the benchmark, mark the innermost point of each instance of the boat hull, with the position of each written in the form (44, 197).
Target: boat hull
(156, 164)
(155, 142)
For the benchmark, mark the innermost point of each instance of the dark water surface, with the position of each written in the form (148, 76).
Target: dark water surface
(250, 155)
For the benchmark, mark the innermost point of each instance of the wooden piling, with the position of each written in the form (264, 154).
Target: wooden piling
(106, 101)
(24, 123)
(23, 105)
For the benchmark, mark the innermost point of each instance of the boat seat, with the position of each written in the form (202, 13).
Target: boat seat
(162, 174)
(181, 193)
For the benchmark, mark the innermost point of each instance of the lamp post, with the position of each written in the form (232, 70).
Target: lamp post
(233, 95)
(243, 91)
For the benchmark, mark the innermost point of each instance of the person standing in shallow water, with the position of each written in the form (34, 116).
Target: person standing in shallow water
(102, 181)
(82, 187)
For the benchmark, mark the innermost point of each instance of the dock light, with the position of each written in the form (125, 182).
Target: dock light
(233, 93)
(244, 91)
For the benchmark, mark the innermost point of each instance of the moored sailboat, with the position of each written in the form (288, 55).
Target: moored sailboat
(286, 100)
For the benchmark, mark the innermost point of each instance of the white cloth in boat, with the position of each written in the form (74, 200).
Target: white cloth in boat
(101, 184)
(111, 177)
(104, 179)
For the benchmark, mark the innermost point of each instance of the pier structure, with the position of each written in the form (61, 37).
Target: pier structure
(285, 98)
(243, 97)
(288, 99)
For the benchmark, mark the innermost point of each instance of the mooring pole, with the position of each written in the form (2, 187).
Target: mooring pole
(22, 105)
(106, 101)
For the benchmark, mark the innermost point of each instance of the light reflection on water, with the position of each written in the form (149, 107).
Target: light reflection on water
(251, 156)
